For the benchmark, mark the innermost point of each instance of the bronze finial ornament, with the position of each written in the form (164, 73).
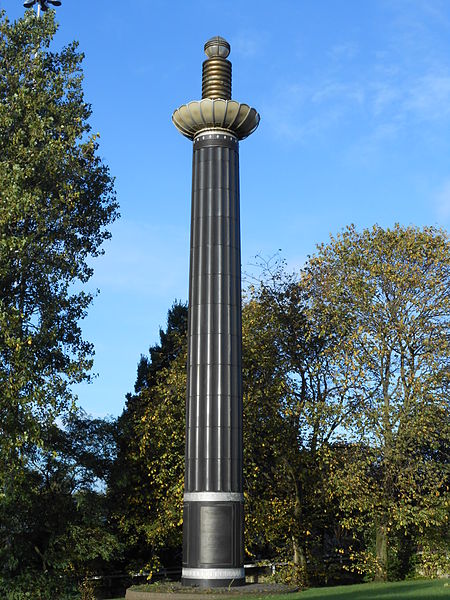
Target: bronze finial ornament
(213, 549)
(216, 109)
(217, 46)
(216, 80)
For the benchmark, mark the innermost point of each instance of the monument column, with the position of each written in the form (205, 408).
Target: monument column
(213, 553)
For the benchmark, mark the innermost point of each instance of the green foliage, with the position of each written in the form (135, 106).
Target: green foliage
(292, 574)
(87, 589)
(56, 200)
(146, 486)
(386, 294)
(433, 558)
(30, 585)
(292, 410)
(345, 373)
(53, 518)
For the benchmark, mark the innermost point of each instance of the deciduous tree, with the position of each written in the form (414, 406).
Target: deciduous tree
(293, 409)
(386, 294)
(54, 525)
(56, 201)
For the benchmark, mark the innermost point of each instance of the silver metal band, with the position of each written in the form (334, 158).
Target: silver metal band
(215, 133)
(213, 573)
(213, 497)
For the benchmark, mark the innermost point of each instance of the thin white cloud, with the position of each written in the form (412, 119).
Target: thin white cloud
(298, 112)
(249, 44)
(403, 88)
(344, 51)
(429, 96)
(415, 15)
(336, 91)
(367, 148)
(384, 95)
(388, 105)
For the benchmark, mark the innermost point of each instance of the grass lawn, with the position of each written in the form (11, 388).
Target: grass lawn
(401, 590)
(422, 589)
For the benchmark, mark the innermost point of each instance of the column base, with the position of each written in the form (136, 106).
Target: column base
(213, 542)
(212, 583)
(213, 578)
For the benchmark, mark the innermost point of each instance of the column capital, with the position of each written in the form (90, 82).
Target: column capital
(227, 115)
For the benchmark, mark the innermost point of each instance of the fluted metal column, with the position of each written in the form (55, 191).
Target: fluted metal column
(213, 550)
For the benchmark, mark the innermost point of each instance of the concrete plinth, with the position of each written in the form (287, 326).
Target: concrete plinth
(177, 592)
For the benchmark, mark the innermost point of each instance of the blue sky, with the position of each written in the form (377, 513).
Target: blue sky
(354, 98)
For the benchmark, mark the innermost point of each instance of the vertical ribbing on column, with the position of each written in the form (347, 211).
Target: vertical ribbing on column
(214, 427)
(213, 549)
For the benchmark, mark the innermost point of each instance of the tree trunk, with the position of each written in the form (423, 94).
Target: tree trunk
(299, 554)
(42, 557)
(300, 572)
(382, 554)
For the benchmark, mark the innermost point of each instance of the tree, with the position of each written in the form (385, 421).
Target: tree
(386, 295)
(292, 412)
(146, 486)
(289, 415)
(54, 526)
(56, 201)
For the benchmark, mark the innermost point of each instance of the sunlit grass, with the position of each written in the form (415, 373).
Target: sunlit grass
(400, 590)
(423, 589)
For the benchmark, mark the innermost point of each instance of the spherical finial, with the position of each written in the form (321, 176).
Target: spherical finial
(217, 46)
